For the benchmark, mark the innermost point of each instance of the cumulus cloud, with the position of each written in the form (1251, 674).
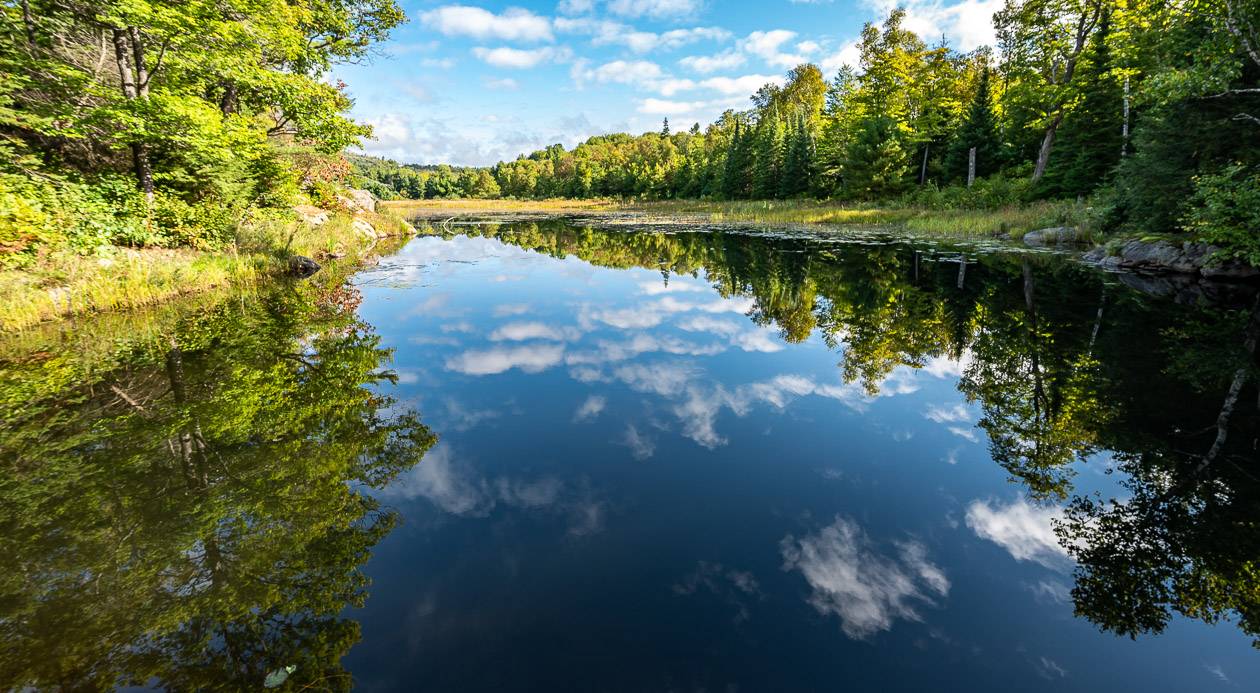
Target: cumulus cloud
(946, 414)
(867, 589)
(515, 24)
(1025, 530)
(768, 45)
(609, 33)
(641, 446)
(519, 58)
(524, 331)
(590, 409)
(530, 358)
(969, 24)
(502, 83)
(705, 64)
(741, 86)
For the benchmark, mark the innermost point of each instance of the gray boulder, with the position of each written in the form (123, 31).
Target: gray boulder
(1056, 236)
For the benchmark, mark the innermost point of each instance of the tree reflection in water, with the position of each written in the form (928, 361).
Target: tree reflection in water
(182, 504)
(1063, 364)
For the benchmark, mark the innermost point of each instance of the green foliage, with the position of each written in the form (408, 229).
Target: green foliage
(1225, 210)
(203, 106)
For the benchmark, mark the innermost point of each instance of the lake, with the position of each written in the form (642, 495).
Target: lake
(556, 455)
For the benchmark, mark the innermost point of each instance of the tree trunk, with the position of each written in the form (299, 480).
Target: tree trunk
(29, 21)
(228, 103)
(126, 50)
(927, 146)
(1047, 143)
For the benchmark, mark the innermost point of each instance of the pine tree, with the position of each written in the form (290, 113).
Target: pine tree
(797, 178)
(768, 158)
(735, 174)
(1091, 138)
(978, 130)
(665, 128)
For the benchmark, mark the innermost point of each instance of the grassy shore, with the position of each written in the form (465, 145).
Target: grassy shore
(64, 283)
(1011, 221)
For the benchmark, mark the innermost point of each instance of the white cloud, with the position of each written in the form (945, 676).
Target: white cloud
(656, 289)
(767, 44)
(523, 331)
(850, 579)
(515, 24)
(968, 24)
(635, 72)
(590, 409)
(741, 86)
(705, 64)
(442, 481)
(608, 33)
(711, 325)
(665, 107)
(656, 9)
(848, 54)
(641, 446)
(505, 83)
(531, 358)
(1025, 530)
(505, 309)
(519, 58)
(438, 63)
(941, 414)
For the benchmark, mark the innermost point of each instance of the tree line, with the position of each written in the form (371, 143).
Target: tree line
(1151, 108)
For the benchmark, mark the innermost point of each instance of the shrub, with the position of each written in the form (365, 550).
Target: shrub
(1225, 211)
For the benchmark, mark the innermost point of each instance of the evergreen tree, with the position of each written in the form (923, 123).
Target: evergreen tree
(735, 175)
(1090, 141)
(665, 128)
(798, 164)
(768, 158)
(979, 130)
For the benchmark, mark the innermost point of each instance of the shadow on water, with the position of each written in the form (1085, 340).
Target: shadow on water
(180, 505)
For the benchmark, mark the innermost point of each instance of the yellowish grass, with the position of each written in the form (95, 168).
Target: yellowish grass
(429, 209)
(66, 284)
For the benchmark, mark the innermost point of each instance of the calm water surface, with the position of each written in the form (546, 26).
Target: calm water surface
(548, 457)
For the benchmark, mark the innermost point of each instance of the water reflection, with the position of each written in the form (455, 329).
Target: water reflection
(1058, 365)
(179, 501)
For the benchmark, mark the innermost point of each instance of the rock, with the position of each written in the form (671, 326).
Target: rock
(365, 229)
(1059, 235)
(1164, 256)
(311, 215)
(302, 267)
(363, 199)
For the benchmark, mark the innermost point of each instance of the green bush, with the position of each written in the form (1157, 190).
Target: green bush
(1225, 211)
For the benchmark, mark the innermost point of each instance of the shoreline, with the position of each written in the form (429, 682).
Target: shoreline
(67, 286)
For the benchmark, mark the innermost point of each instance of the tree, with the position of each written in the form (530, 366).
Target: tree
(1092, 139)
(1042, 42)
(979, 130)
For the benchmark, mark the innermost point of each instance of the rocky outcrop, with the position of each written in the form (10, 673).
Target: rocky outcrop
(311, 215)
(1056, 236)
(1167, 257)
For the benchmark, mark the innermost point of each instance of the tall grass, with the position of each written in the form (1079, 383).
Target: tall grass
(66, 283)
(1011, 220)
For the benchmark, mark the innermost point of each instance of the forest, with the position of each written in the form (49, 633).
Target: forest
(151, 125)
(1148, 109)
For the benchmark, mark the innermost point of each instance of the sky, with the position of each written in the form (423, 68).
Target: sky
(473, 84)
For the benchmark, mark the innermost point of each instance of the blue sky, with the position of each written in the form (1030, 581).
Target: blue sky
(475, 82)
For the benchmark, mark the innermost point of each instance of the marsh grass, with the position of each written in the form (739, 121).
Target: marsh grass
(1010, 221)
(65, 283)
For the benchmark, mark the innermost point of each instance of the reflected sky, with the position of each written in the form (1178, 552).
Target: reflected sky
(639, 487)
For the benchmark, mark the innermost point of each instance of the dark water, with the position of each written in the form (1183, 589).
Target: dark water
(548, 457)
